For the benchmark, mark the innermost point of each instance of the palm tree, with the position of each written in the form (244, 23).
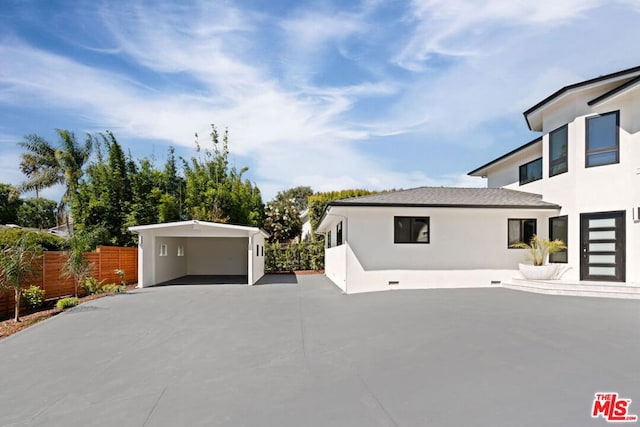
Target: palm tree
(17, 264)
(39, 164)
(46, 165)
(71, 158)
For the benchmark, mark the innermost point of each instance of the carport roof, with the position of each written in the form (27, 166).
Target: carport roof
(191, 226)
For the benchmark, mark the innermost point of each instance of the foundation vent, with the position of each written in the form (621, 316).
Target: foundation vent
(496, 282)
(394, 282)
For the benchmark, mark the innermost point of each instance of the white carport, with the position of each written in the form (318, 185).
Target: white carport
(197, 248)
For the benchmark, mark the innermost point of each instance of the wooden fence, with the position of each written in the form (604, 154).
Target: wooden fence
(105, 260)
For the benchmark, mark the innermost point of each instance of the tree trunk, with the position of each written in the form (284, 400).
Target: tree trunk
(18, 294)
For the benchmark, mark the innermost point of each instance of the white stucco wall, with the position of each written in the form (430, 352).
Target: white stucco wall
(216, 255)
(468, 247)
(170, 266)
(614, 187)
(256, 252)
(335, 261)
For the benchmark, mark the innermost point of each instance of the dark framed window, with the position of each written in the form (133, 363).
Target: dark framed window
(558, 151)
(411, 229)
(602, 143)
(559, 229)
(329, 239)
(521, 230)
(339, 234)
(261, 250)
(531, 171)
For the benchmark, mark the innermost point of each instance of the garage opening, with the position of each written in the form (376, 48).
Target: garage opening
(197, 252)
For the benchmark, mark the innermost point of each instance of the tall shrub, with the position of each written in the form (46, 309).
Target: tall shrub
(17, 265)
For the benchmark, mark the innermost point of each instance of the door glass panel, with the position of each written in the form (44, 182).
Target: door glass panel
(602, 247)
(599, 235)
(605, 222)
(602, 259)
(602, 271)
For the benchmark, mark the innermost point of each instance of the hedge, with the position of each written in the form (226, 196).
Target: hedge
(49, 242)
(318, 203)
(294, 256)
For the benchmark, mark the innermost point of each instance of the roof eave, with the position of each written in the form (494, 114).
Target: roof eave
(580, 85)
(440, 205)
(480, 171)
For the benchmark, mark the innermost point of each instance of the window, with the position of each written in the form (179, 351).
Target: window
(558, 229)
(521, 230)
(180, 250)
(602, 139)
(409, 229)
(261, 250)
(163, 250)
(339, 234)
(558, 151)
(329, 239)
(531, 171)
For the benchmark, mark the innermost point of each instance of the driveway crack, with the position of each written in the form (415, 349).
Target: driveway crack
(153, 408)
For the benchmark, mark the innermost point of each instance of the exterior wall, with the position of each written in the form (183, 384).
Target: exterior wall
(498, 177)
(614, 187)
(171, 266)
(256, 254)
(216, 255)
(335, 265)
(468, 247)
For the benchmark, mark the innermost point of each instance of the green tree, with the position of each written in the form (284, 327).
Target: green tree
(18, 264)
(37, 213)
(11, 237)
(297, 196)
(216, 192)
(9, 204)
(39, 164)
(282, 220)
(46, 165)
(319, 201)
(77, 265)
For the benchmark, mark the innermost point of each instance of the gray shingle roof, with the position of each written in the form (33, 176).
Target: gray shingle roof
(452, 197)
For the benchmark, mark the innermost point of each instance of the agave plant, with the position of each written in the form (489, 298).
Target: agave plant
(540, 248)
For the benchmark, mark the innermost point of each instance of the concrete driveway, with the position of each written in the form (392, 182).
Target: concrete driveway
(301, 354)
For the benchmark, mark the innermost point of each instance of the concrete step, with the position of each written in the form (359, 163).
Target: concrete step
(581, 289)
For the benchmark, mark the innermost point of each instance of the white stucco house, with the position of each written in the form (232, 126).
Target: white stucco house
(198, 248)
(579, 181)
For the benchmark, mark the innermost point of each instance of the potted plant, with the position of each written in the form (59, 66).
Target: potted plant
(539, 250)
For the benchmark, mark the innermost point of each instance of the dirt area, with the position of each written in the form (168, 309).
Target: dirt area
(9, 327)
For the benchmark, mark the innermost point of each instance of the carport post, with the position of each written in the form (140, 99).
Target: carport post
(250, 272)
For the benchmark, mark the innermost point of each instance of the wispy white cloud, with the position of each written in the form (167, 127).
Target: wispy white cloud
(466, 28)
(459, 75)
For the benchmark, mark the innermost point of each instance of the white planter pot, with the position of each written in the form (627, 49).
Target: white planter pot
(543, 272)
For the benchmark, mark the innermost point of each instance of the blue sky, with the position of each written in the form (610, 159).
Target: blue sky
(374, 94)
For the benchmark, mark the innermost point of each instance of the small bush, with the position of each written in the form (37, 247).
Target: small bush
(92, 286)
(67, 303)
(33, 296)
(113, 288)
(121, 274)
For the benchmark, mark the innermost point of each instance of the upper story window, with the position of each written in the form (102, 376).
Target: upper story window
(602, 144)
(410, 229)
(531, 171)
(558, 151)
(339, 234)
(329, 239)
